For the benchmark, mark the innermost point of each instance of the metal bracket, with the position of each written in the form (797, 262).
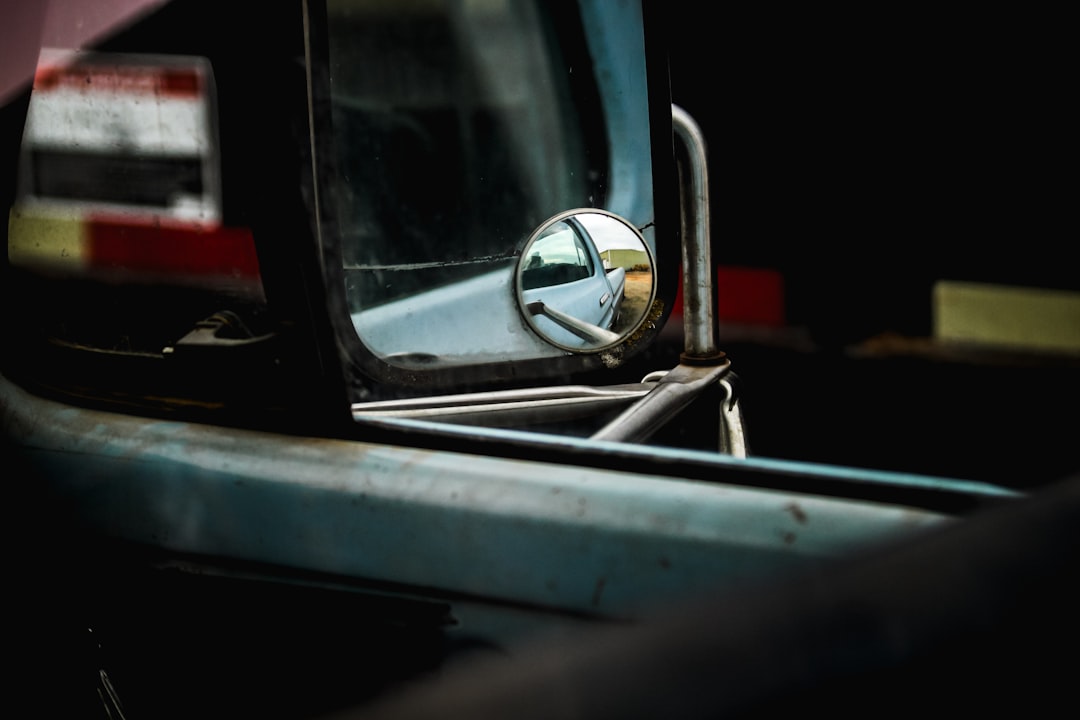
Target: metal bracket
(650, 405)
(699, 323)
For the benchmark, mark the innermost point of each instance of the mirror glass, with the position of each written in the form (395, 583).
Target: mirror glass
(585, 280)
(457, 128)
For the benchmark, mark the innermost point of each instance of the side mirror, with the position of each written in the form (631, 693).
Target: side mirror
(497, 119)
(584, 280)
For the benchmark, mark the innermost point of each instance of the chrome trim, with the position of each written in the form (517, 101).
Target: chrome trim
(670, 395)
(505, 408)
(732, 430)
(699, 323)
(585, 331)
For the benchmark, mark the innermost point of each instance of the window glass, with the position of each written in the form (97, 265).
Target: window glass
(555, 258)
(457, 129)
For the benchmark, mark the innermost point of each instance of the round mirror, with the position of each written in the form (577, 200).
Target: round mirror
(585, 280)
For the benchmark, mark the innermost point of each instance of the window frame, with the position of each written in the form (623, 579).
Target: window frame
(367, 376)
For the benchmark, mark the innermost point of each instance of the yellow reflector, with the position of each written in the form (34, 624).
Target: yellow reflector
(45, 240)
(1007, 316)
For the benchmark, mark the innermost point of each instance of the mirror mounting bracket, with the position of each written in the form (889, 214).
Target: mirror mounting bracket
(699, 327)
(646, 409)
(701, 364)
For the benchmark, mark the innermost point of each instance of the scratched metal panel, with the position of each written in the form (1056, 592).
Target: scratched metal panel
(560, 536)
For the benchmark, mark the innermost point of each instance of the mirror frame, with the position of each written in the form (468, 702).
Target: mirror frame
(369, 377)
(524, 307)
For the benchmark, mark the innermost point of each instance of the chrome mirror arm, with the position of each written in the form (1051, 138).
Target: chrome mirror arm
(701, 363)
(699, 323)
(646, 409)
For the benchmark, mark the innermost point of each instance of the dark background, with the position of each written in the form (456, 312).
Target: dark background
(861, 156)
(879, 150)
(864, 154)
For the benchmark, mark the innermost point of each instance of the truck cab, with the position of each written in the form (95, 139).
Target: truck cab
(281, 372)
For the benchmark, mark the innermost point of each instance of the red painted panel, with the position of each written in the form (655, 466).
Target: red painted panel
(171, 249)
(751, 296)
(745, 296)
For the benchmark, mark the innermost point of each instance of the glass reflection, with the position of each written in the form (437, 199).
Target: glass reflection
(457, 129)
(585, 280)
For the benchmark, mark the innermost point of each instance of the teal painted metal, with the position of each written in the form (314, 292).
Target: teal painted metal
(557, 536)
(865, 476)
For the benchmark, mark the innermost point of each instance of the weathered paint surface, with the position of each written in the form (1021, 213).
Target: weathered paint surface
(559, 536)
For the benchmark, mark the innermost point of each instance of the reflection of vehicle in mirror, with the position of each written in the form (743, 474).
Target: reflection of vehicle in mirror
(574, 275)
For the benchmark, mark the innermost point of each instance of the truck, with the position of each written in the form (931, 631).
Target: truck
(293, 436)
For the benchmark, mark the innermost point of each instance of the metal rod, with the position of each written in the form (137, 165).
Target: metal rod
(586, 331)
(732, 430)
(507, 408)
(672, 393)
(699, 327)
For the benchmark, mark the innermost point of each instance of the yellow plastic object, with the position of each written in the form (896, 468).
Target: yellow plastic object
(1010, 317)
